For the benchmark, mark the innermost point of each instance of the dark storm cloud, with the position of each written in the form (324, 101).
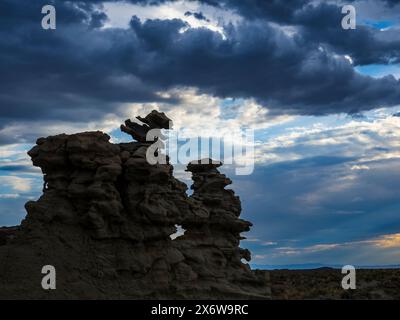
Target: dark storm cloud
(98, 19)
(289, 75)
(79, 71)
(365, 45)
(392, 2)
(320, 23)
(275, 10)
(14, 168)
(73, 72)
(197, 15)
(320, 205)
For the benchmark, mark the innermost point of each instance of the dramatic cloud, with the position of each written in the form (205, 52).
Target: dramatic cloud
(82, 71)
(365, 44)
(372, 251)
(325, 183)
(17, 183)
(338, 184)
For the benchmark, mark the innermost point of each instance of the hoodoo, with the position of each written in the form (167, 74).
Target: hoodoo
(104, 222)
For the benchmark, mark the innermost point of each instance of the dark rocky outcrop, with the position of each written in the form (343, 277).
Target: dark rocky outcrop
(7, 234)
(154, 120)
(211, 241)
(326, 284)
(104, 222)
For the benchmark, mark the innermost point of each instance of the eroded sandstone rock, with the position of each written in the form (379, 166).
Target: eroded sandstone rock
(104, 222)
(154, 120)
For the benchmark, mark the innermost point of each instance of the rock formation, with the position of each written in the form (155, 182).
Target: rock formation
(104, 222)
(211, 241)
(154, 120)
(7, 234)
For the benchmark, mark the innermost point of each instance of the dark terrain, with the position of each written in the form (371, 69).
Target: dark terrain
(325, 283)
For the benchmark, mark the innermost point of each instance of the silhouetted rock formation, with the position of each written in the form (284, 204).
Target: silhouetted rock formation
(211, 241)
(154, 120)
(7, 234)
(104, 222)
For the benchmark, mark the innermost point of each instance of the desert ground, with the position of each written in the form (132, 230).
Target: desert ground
(325, 283)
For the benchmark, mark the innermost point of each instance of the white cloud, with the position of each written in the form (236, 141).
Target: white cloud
(10, 150)
(205, 114)
(9, 196)
(268, 243)
(383, 249)
(120, 13)
(26, 131)
(359, 167)
(17, 183)
(372, 139)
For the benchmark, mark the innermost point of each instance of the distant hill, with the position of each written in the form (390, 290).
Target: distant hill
(324, 284)
(308, 266)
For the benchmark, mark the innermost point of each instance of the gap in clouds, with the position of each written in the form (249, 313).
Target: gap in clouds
(119, 14)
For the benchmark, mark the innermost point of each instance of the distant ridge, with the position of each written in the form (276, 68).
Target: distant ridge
(310, 266)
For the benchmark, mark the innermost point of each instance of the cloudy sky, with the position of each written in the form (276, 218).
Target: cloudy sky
(324, 103)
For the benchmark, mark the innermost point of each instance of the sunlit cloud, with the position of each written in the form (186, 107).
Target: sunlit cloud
(120, 13)
(388, 241)
(381, 243)
(9, 196)
(17, 183)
